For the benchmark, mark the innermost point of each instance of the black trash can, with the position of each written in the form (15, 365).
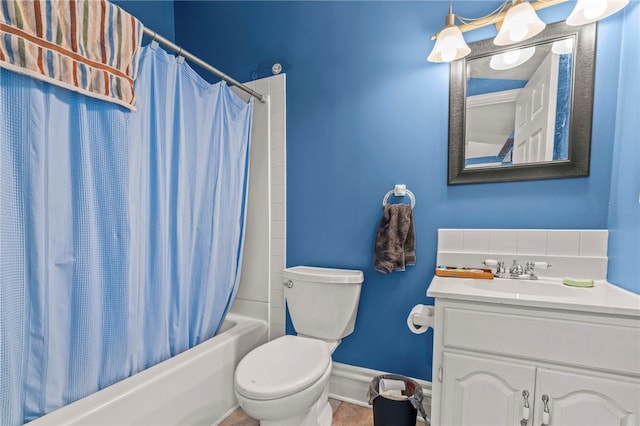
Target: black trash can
(398, 407)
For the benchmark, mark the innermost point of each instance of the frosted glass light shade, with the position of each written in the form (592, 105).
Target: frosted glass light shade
(520, 23)
(587, 11)
(512, 58)
(450, 45)
(562, 47)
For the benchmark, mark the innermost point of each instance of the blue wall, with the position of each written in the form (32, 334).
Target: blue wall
(480, 86)
(624, 208)
(366, 111)
(155, 14)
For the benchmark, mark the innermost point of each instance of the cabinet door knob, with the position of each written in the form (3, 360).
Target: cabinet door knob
(545, 412)
(525, 409)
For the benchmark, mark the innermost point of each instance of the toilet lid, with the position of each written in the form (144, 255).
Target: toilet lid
(282, 367)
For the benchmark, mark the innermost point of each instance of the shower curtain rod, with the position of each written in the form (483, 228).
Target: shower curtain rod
(181, 52)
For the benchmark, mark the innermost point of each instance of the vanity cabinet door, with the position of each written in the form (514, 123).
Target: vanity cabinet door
(587, 399)
(479, 391)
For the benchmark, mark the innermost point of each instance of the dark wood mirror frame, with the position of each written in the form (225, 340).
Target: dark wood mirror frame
(581, 107)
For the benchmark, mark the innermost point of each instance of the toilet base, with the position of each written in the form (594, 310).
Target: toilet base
(320, 414)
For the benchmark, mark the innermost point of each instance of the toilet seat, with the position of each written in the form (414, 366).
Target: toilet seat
(282, 367)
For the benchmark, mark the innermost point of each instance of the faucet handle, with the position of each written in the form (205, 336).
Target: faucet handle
(529, 268)
(499, 264)
(541, 265)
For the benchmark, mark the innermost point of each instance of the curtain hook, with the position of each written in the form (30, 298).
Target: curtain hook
(154, 44)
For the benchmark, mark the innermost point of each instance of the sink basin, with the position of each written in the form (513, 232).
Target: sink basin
(541, 287)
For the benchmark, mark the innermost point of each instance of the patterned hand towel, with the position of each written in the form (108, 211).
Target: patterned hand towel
(89, 46)
(395, 239)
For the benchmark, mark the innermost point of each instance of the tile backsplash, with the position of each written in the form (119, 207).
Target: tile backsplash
(571, 252)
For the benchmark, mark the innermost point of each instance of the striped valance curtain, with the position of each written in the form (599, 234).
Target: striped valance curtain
(89, 46)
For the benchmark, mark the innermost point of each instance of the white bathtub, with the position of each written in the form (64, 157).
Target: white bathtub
(192, 388)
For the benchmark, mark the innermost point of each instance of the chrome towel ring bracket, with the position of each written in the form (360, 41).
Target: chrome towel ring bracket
(400, 191)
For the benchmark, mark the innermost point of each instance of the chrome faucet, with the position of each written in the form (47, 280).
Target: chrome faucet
(516, 269)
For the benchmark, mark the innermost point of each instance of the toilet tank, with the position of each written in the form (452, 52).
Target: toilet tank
(322, 302)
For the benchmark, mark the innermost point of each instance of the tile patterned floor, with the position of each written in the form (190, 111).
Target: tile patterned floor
(344, 414)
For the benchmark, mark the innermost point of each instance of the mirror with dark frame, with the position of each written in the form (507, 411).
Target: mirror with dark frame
(524, 111)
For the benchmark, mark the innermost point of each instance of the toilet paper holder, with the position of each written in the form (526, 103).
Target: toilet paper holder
(420, 318)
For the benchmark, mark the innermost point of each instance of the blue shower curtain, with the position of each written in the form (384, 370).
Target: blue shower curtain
(120, 233)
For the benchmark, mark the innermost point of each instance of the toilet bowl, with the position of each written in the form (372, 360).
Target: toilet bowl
(285, 382)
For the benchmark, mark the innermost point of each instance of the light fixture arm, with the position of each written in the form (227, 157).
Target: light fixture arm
(499, 17)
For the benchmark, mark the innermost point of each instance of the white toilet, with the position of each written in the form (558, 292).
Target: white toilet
(286, 382)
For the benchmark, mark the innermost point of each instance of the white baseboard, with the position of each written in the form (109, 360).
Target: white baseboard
(350, 384)
(225, 415)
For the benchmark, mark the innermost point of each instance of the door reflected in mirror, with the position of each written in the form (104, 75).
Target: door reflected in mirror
(518, 105)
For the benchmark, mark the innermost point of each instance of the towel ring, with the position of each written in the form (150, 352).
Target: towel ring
(400, 193)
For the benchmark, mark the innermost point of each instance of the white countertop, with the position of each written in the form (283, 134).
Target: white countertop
(603, 297)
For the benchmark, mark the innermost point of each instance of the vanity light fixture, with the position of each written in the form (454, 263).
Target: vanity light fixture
(520, 23)
(450, 44)
(516, 20)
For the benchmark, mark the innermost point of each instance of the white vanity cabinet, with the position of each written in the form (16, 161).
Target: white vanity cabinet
(487, 354)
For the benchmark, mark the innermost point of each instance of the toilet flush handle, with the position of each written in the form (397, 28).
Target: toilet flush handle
(288, 284)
